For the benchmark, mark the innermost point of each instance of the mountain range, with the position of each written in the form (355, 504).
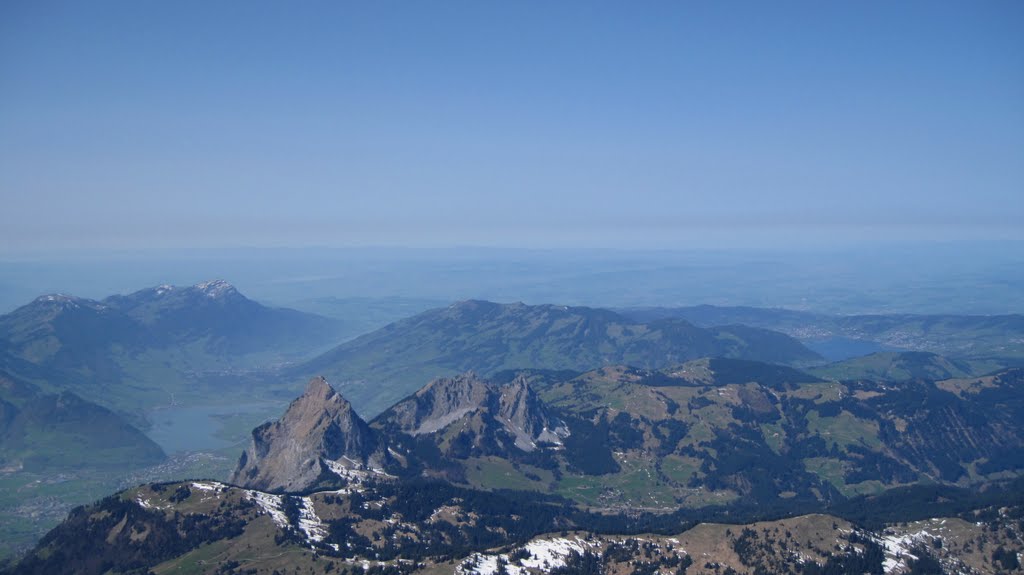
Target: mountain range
(310, 497)
(394, 528)
(381, 367)
(584, 410)
(702, 433)
(131, 352)
(80, 378)
(160, 358)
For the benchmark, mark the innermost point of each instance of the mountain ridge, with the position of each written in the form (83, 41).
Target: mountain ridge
(897, 366)
(697, 439)
(997, 339)
(431, 528)
(151, 342)
(755, 440)
(384, 366)
(44, 432)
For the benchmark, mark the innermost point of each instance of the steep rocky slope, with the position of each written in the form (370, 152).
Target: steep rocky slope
(318, 435)
(479, 412)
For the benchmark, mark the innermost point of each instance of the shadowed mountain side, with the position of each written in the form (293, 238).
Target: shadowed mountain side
(897, 366)
(42, 432)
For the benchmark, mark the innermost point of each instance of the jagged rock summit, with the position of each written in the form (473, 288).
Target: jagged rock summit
(318, 435)
(523, 414)
(440, 403)
(485, 414)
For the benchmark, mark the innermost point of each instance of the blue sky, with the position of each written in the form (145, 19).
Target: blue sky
(540, 124)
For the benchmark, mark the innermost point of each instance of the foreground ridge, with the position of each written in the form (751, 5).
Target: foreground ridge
(399, 527)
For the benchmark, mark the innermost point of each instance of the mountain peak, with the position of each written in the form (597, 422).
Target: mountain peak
(216, 288)
(457, 400)
(319, 388)
(64, 301)
(459, 384)
(441, 402)
(524, 416)
(319, 433)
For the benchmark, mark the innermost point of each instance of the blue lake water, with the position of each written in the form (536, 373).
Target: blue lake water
(195, 428)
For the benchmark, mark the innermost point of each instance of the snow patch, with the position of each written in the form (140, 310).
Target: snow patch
(64, 301)
(147, 504)
(215, 288)
(545, 554)
(553, 552)
(209, 486)
(354, 471)
(271, 505)
(898, 547)
(309, 522)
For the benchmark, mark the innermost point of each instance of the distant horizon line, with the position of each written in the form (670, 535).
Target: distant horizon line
(839, 245)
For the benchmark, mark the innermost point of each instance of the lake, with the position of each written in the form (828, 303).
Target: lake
(208, 427)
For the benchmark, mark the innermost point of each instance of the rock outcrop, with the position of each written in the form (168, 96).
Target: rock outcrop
(318, 435)
(523, 414)
(438, 404)
(490, 417)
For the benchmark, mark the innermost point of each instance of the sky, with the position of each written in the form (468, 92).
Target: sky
(520, 124)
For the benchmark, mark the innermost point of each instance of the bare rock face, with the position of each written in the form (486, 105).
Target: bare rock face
(489, 416)
(440, 403)
(522, 414)
(318, 434)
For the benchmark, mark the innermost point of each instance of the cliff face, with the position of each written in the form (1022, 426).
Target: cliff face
(319, 433)
(523, 414)
(498, 416)
(438, 404)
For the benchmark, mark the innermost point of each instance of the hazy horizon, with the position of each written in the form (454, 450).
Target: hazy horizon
(888, 277)
(190, 124)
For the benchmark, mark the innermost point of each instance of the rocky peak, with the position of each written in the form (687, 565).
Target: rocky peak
(319, 391)
(446, 401)
(319, 433)
(216, 289)
(523, 414)
(440, 402)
